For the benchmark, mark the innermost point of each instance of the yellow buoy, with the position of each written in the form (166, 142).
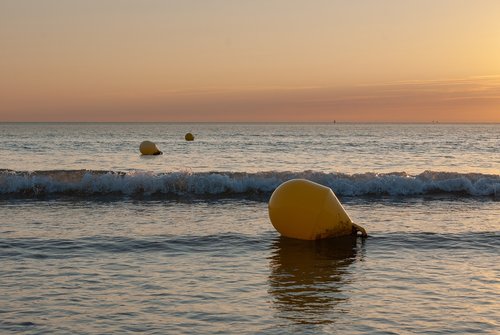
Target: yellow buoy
(189, 137)
(305, 210)
(149, 148)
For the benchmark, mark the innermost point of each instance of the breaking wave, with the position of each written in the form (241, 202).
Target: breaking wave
(89, 182)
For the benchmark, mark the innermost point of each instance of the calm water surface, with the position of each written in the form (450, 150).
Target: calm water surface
(347, 148)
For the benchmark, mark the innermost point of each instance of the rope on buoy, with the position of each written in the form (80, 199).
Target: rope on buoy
(356, 228)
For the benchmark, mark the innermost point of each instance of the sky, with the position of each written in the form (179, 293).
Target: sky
(250, 61)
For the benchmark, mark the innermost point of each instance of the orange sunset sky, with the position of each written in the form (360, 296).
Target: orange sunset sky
(253, 60)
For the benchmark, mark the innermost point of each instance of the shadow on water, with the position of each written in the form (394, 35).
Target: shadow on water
(307, 277)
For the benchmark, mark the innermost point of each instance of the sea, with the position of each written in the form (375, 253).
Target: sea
(97, 239)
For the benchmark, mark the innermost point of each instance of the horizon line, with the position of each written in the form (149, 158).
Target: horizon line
(270, 122)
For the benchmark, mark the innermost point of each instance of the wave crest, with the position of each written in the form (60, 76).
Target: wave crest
(89, 182)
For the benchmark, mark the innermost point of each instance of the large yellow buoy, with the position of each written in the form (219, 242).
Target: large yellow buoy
(149, 148)
(305, 210)
(189, 137)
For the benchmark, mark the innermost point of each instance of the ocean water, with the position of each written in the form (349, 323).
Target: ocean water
(97, 239)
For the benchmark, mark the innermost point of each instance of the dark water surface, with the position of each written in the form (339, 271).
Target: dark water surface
(218, 266)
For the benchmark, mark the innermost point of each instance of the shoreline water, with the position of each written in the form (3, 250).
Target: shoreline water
(219, 266)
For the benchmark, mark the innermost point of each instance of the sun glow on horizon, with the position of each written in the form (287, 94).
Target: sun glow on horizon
(224, 60)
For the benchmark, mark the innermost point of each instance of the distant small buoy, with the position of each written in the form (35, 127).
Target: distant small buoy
(305, 210)
(149, 148)
(189, 137)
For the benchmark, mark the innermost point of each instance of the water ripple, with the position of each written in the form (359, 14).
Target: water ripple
(57, 248)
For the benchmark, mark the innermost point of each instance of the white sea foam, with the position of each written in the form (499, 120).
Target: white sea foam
(84, 182)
